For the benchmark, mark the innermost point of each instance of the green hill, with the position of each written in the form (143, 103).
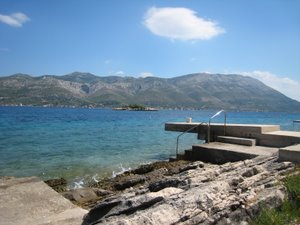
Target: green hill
(198, 91)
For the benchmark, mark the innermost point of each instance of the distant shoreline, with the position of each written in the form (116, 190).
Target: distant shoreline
(135, 109)
(158, 108)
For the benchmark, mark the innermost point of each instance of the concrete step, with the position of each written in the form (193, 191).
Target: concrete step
(189, 154)
(218, 152)
(290, 153)
(172, 159)
(237, 140)
(181, 156)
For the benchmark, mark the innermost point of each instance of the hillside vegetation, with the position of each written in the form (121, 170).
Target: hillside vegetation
(197, 91)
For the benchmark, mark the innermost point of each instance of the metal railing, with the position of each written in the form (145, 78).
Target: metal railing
(215, 115)
(295, 122)
(208, 128)
(194, 127)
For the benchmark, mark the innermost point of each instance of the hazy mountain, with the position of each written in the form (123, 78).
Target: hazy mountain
(199, 91)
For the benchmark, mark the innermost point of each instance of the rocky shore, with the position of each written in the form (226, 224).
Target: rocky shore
(185, 193)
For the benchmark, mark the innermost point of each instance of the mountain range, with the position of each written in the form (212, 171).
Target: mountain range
(197, 91)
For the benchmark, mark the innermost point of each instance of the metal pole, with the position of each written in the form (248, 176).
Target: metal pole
(177, 145)
(208, 132)
(225, 121)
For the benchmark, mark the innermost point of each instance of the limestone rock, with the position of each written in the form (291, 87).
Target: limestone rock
(129, 182)
(101, 192)
(191, 166)
(159, 185)
(81, 195)
(198, 194)
(59, 185)
(144, 169)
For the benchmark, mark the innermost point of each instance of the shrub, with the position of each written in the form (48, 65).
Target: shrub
(289, 212)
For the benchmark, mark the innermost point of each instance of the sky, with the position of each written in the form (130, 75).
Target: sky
(162, 38)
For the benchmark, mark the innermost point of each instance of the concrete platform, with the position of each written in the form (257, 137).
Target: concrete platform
(290, 153)
(285, 133)
(230, 128)
(254, 150)
(29, 201)
(279, 138)
(265, 135)
(217, 152)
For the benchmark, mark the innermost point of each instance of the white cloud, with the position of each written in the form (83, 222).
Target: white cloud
(285, 85)
(107, 61)
(15, 19)
(146, 74)
(180, 23)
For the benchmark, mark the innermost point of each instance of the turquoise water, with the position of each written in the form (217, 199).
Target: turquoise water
(84, 144)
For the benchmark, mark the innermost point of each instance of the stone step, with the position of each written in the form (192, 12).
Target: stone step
(237, 140)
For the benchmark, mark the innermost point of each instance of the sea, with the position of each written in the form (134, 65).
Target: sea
(84, 145)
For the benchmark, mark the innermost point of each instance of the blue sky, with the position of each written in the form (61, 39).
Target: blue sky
(259, 38)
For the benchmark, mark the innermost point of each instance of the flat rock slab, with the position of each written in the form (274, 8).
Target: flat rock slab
(30, 201)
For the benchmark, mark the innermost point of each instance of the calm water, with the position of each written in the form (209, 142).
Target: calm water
(84, 144)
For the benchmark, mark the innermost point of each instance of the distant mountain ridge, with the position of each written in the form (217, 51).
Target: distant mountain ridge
(197, 91)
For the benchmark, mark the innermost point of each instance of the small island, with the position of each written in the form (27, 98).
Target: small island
(136, 107)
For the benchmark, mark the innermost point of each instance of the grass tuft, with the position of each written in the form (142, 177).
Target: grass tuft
(289, 211)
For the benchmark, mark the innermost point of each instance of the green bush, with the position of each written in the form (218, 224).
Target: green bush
(292, 184)
(289, 212)
(269, 216)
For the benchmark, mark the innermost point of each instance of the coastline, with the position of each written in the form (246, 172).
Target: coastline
(189, 192)
(141, 175)
(179, 192)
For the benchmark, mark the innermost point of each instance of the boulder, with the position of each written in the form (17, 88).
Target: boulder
(81, 195)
